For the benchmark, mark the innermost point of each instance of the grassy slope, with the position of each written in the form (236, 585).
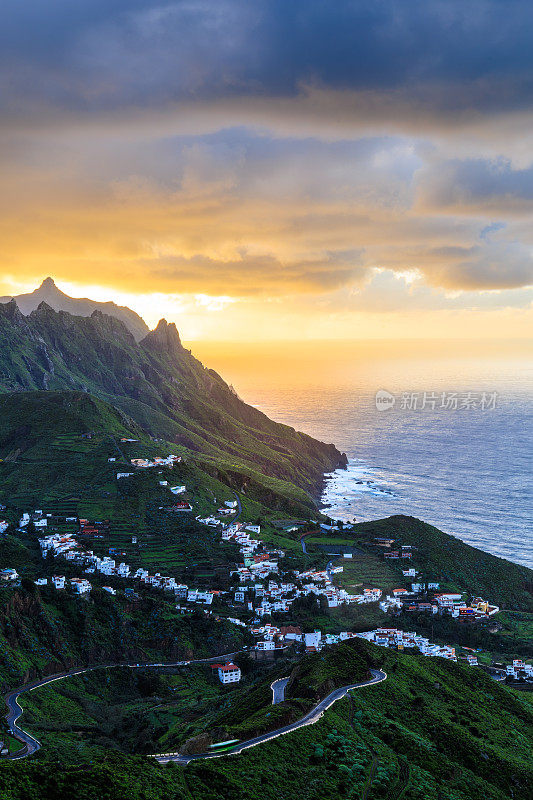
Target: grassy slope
(44, 463)
(442, 557)
(160, 384)
(44, 631)
(433, 731)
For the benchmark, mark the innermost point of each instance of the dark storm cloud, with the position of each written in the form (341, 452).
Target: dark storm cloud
(93, 55)
(271, 147)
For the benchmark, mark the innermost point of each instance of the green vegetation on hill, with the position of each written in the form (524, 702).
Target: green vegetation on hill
(433, 730)
(47, 461)
(438, 556)
(164, 388)
(43, 631)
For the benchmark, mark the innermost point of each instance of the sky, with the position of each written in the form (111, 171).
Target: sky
(283, 169)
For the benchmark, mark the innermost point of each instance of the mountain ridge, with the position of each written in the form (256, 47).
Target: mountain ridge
(160, 384)
(49, 293)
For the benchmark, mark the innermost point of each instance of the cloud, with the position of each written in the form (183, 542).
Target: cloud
(245, 213)
(371, 59)
(251, 274)
(270, 151)
(386, 292)
(498, 265)
(476, 186)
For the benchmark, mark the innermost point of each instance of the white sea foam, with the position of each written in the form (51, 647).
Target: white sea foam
(345, 486)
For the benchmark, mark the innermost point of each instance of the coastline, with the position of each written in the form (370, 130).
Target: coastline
(361, 493)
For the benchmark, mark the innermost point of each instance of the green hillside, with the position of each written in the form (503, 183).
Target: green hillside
(436, 555)
(43, 631)
(54, 454)
(433, 730)
(159, 384)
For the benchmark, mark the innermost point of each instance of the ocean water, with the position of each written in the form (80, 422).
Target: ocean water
(455, 449)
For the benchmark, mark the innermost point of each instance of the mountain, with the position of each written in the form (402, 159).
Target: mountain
(83, 307)
(159, 384)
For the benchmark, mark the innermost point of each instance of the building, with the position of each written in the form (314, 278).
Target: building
(228, 673)
(8, 575)
(80, 585)
(312, 640)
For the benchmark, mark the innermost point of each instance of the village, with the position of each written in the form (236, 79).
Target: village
(261, 587)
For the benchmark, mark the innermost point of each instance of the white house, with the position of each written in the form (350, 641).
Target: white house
(8, 574)
(313, 639)
(58, 581)
(266, 645)
(80, 585)
(204, 597)
(230, 503)
(109, 589)
(229, 673)
(253, 528)
(177, 489)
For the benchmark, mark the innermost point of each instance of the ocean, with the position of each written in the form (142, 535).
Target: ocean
(451, 441)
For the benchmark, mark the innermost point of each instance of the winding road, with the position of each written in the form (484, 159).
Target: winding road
(15, 710)
(309, 719)
(31, 744)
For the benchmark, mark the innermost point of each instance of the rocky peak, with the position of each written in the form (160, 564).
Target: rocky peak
(47, 285)
(11, 311)
(165, 336)
(77, 306)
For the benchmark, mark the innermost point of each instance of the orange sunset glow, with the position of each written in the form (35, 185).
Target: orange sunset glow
(247, 196)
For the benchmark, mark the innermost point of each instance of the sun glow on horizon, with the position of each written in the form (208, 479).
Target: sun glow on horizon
(212, 318)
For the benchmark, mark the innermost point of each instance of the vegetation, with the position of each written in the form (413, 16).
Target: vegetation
(75, 389)
(166, 390)
(45, 631)
(433, 730)
(438, 556)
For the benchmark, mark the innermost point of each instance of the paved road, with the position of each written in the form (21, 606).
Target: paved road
(15, 710)
(278, 690)
(309, 719)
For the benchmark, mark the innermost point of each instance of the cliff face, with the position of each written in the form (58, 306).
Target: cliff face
(160, 385)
